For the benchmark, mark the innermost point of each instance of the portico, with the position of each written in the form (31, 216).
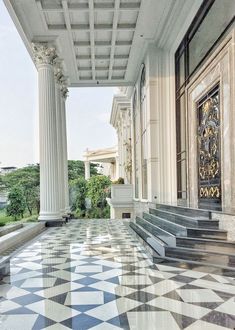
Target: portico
(149, 49)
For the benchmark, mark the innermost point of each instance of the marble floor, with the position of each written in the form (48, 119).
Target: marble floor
(94, 274)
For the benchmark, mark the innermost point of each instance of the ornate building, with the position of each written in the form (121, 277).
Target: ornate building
(174, 115)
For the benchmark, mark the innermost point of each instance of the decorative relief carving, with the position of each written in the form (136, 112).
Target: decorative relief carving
(209, 145)
(44, 54)
(64, 91)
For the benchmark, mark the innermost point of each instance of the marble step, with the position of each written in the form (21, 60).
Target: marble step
(209, 257)
(155, 243)
(217, 234)
(185, 220)
(206, 244)
(180, 230)
(190, 212)
(166, 225)
(156, 231)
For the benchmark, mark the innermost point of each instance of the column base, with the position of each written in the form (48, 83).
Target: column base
(51, 220)
(55, 223)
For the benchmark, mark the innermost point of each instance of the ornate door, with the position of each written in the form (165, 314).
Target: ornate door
(209, 169)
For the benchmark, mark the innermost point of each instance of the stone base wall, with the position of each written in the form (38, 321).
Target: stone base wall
(226, 222)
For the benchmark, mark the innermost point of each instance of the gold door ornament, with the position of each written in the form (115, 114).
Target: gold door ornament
(209, 185)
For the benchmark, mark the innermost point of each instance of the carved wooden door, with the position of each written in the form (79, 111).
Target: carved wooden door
(209, 167)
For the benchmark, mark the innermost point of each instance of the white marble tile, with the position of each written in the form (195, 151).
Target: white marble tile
(31, 265)
(59, 289)
(169, 268)
(214, 286)
(163, 287)
(17, 322)
(113, 308)
(22, 276)
(10, 292)
(53, 310)
(154, 272)
(89, 269)
(193, 274)
(219, 278)
(199, 295)
(35, 282)
(108, 263)
(51, 261)
(85, 298)
(27, 254)
(109, 274)
(143, 263)
(57, 326)
(7, 305)
(152, 320)
(66, 275)
(105, 326)
(69, 264)
(228, 307)
(202, 325)
(134, 280)
(179, 307)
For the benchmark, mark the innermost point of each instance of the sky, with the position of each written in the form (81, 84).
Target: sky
(88, 109)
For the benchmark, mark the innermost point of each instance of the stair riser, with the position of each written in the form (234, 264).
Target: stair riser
(221, 260)
(206, 234)
(167, 226)
(207, 246)
(185, 211)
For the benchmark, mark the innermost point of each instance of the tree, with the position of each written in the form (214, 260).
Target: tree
(78, 191)
(17, 205)
(28, 179)
(97, 190)
(76, 169)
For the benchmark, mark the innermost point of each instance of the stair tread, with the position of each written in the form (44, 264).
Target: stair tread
(206, 240)
(192, 218)
(194, 251)
(155, 226)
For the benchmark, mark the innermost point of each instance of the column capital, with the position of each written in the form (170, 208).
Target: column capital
(44, 54)
(64, 91)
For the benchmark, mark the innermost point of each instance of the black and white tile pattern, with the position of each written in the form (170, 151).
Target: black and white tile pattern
(94, 274)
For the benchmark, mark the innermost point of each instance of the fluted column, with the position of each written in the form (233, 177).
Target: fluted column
(64, 94)
(59, 132)
(87, 170)
(45, 57)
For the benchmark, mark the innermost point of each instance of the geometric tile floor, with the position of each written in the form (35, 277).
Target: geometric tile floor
(94, 274)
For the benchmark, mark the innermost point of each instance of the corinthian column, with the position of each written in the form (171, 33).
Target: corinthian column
(45, 57)
(59, 132)
(64, 92)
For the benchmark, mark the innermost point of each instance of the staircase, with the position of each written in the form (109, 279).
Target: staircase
(183, 234)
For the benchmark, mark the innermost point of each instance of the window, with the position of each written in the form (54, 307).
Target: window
(143, 128)
(135, 144)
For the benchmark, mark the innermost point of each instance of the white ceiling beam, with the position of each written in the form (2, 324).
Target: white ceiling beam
(70, 37)
(114, 36)
(102, 57)
(86, 27)
(128, 6)
(102, 43)
(92, 36)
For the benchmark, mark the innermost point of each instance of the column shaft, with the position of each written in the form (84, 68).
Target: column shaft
(87, 170)
(49, 186)
(65, 152)
(60, 148)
